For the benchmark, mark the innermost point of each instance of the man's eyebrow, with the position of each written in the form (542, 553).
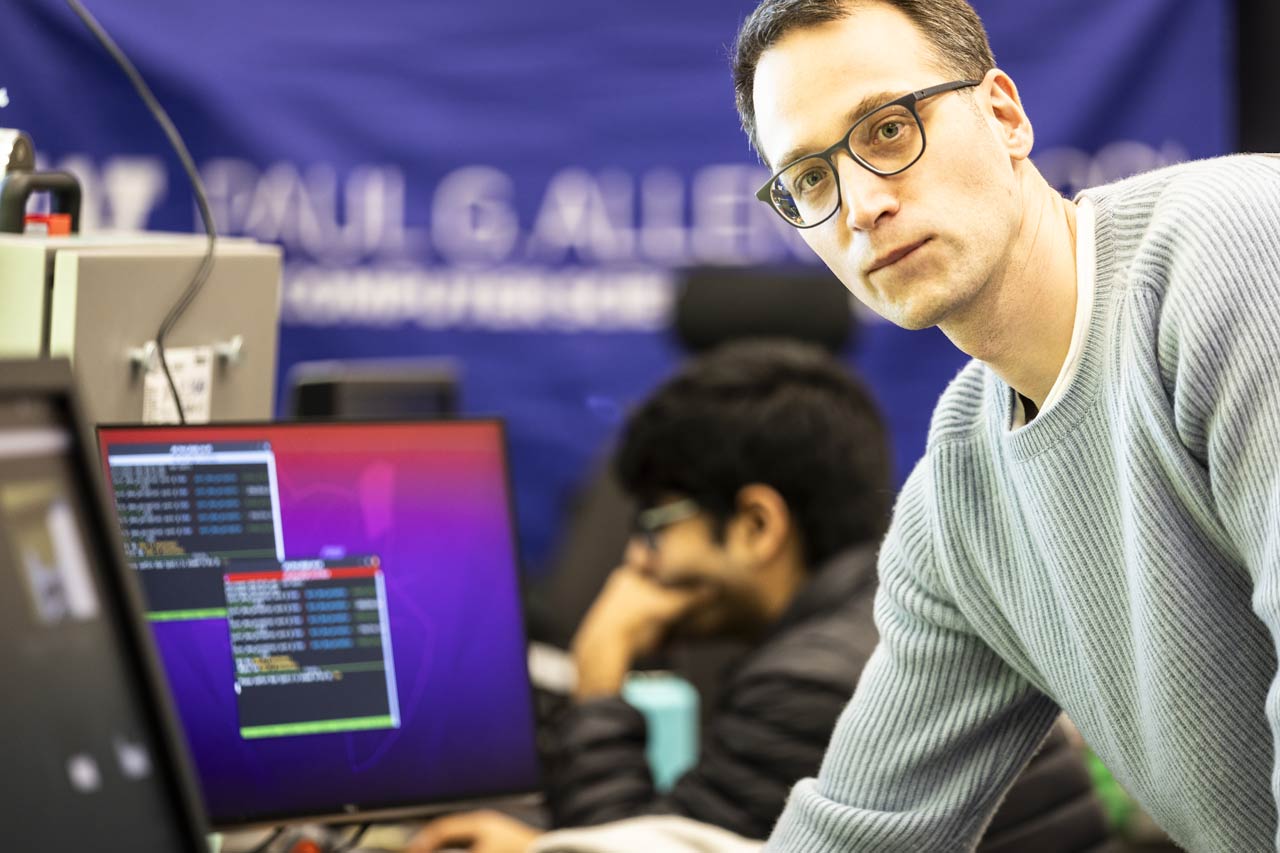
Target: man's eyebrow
(864, 106)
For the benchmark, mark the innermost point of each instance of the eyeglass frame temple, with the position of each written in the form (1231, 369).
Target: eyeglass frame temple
(668, 514)
(909, 101)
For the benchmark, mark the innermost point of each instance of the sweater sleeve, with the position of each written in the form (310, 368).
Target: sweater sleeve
(1219, 344)
(937, 729)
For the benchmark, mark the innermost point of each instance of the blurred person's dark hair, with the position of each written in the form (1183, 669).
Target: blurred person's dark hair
(774, 412)
(952, 27)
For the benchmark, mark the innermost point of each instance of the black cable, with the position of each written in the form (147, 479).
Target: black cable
(262, 848)
(350, 843)
(197, 186)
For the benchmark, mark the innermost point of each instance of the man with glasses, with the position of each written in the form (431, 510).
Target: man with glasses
(763, 472)
(1095, 526)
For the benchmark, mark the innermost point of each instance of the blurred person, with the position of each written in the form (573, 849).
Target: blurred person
(1095, 525)
(764, 476)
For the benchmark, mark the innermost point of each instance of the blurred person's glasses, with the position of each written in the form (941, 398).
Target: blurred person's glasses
(886, 141)
(648, 523)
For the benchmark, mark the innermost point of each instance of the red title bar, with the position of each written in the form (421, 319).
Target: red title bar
(304, 575)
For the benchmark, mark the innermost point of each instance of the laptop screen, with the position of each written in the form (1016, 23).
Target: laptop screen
(84, 751)
(337, 609)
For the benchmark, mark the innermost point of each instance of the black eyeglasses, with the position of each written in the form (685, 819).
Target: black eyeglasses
(886, 141)
(648, 523)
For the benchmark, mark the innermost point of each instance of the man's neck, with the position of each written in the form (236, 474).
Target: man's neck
(1021, 324)
(782, 584)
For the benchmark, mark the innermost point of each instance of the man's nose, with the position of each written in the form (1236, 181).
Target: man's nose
(639, 554)
(867, 198)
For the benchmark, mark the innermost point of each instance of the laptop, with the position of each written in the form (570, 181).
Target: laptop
(92, 759)
(337, 608)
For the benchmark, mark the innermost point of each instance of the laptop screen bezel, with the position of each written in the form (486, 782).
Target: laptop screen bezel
(51, 380)
(356, 812)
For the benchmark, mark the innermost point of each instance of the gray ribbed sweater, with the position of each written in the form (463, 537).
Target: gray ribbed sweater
(1119, 557)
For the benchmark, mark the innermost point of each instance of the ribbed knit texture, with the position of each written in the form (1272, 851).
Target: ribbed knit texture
(1119, 557)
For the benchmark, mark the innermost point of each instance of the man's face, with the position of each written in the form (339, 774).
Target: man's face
(919, 246)
(688, 553)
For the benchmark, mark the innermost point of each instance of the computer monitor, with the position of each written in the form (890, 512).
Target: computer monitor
(99, 299)
(92, 761)
(337, 608)
(374, 389)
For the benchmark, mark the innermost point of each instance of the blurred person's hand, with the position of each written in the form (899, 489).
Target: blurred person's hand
(630, 618)
(480, 832)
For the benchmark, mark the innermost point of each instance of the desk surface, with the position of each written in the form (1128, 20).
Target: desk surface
(389, 836)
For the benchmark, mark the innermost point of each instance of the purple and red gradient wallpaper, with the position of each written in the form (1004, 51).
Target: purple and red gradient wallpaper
(432, 501)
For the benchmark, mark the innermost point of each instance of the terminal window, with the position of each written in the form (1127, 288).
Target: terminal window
(309, 639)
(312, 648)
(187, 510)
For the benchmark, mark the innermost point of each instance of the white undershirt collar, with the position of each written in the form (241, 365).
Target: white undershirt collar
(1086, 260)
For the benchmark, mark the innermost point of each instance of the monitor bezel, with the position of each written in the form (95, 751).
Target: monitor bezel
(52, 379)
(361, 812)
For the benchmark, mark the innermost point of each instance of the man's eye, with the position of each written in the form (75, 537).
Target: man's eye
(889, 131)
(810, 179)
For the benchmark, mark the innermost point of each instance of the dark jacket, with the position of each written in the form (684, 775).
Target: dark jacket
(770, 728)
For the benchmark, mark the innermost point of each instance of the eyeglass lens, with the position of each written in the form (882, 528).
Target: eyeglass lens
(888, 141)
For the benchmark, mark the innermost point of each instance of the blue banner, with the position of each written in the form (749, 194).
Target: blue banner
(513, 184)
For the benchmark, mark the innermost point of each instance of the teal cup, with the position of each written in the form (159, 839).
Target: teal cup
(670, 708)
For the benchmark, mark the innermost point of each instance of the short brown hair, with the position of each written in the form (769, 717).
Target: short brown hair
(952, 27)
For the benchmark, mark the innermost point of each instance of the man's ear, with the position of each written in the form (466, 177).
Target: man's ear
(762, 524)
(1008, 118)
